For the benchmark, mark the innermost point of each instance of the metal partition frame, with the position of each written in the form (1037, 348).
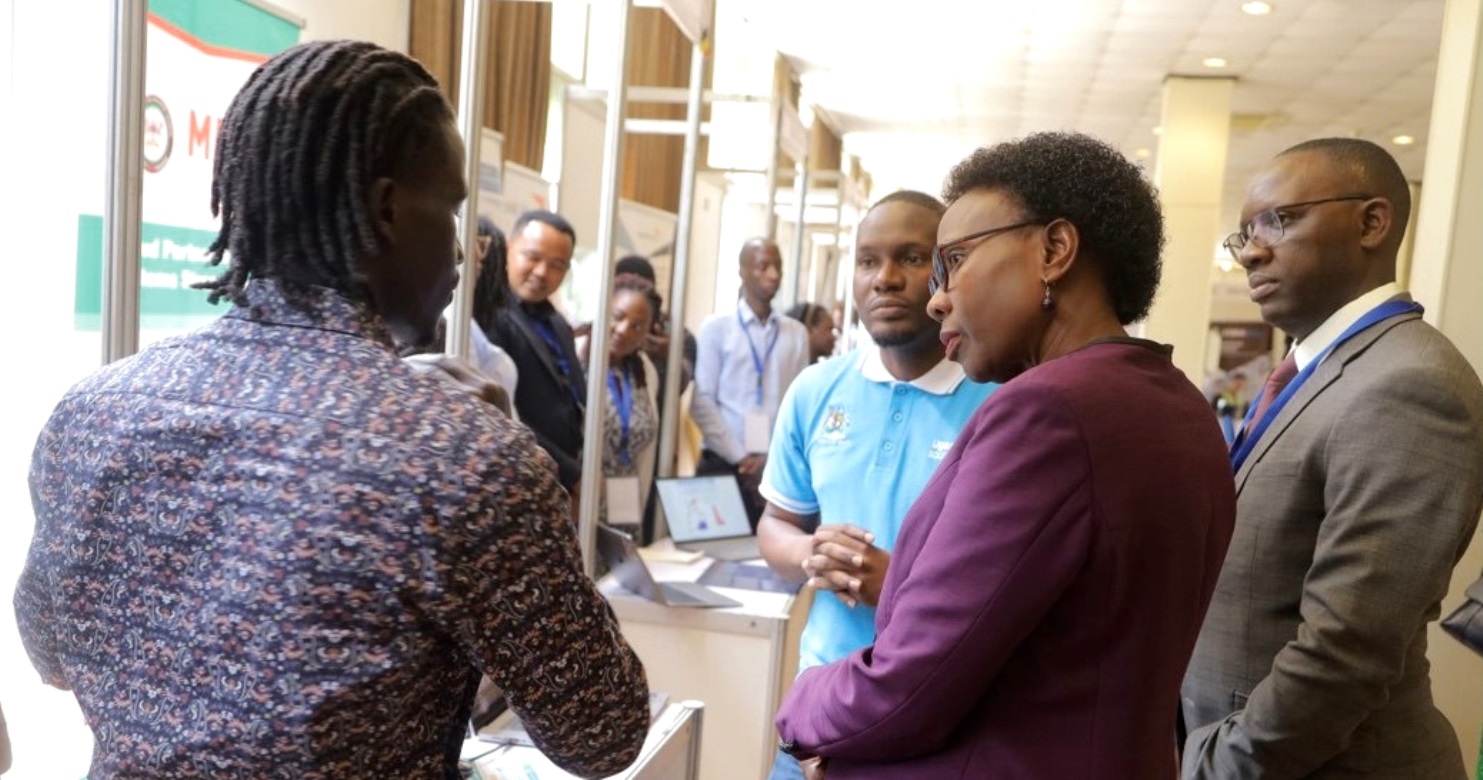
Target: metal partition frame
(679, 280)
(618, 97)
(597, 361)
(123, 209)
(474, 58)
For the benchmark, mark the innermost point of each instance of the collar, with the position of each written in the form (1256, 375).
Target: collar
(943, 379)
(320, 308)
(1348, 314)
(748, 316)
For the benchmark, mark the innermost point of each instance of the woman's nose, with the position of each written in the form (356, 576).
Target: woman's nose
(939, 306)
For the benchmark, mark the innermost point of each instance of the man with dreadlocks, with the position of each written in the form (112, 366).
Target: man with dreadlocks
(270, 549)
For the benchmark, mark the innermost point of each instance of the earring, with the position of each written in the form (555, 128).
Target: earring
(1047, 303)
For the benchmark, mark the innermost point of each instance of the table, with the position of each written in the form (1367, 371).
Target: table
(670, 752)
(739, 661)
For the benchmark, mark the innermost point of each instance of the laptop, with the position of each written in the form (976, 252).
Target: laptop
(622, 558)
(706, 515)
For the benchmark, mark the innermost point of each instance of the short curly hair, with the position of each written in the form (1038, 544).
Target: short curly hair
(1091, 185)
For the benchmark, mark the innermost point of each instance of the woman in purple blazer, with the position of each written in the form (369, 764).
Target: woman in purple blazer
(1047, 588)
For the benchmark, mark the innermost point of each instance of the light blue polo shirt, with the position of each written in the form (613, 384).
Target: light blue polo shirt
(855, 445)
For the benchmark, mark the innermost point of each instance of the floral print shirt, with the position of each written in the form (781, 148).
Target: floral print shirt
(269, 549)
(643, 428)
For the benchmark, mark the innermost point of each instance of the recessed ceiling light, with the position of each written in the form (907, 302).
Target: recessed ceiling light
(1256, 8)
(1403, 140)
(1158, 130)
(1214, 62)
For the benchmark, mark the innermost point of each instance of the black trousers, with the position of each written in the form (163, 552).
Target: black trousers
(712, 464)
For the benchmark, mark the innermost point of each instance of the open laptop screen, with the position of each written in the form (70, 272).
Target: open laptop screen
(703, 508)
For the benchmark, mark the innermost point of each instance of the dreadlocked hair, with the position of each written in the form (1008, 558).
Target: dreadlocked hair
(491, 283)
(308, 134)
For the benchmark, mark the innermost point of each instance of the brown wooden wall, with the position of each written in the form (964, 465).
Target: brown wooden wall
(518, 79)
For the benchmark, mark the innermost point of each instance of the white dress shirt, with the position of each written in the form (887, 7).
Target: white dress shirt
(1338, 322)
(727, 385)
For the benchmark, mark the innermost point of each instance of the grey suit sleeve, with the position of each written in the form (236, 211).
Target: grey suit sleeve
(1401, 486)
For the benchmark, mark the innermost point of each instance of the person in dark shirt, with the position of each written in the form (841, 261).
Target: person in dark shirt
(269, 548)
(552, 391)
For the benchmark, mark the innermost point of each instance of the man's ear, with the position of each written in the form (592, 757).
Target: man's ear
(1377, 220)
(381, 205)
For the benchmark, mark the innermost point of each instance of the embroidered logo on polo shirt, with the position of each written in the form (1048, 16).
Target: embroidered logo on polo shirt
(836, 424)
(940, 449)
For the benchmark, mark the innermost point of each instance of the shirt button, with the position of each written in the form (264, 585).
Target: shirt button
(898, 417)
(900, 390)
(888, 446)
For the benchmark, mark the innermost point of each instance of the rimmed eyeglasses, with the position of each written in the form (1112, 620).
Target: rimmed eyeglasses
(1268, 227)
(947, 257)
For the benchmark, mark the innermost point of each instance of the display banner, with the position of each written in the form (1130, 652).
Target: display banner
(200, 53)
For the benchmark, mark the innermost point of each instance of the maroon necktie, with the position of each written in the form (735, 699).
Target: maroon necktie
(1281, 375)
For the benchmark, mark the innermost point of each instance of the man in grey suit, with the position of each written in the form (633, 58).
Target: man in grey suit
(1357, 491)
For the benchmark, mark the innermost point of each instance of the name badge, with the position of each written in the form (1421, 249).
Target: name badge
(624, 506)
(757, 433)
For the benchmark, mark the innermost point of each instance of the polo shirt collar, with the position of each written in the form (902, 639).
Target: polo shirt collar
(943, 379)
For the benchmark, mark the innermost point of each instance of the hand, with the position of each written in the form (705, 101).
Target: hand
(845, 562)
(575, 491)
(814, 768)
(750, 465)
(582, 338)
(501, 400)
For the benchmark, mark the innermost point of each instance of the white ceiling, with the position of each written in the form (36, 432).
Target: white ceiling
(914, 86)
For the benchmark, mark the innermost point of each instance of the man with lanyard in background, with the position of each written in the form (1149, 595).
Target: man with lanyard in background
(552, 388)
(885, 416)
(745, 362)
(1358, 482)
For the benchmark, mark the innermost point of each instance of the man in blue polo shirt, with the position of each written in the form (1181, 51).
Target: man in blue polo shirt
(858, 437)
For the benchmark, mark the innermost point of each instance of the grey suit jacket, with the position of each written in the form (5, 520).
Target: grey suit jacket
(1351, 512)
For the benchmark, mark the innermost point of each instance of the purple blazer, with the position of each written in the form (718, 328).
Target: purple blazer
(1046, 590)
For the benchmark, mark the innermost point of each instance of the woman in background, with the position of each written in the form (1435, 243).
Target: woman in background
(491, 290)
(1047, 587)
(631, 415)
(821, 332)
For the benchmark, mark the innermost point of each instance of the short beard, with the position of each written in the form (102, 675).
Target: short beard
(895, 338)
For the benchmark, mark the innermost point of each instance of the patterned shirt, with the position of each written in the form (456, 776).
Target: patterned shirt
(643, 429)
(270, 549)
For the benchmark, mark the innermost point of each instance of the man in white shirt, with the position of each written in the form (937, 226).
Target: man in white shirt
(746, 360)
(1358, 486)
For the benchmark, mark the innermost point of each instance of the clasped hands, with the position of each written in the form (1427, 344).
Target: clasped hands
(846, 562)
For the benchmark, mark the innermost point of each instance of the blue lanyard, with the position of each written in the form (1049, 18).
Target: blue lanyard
(758, 361)
(1246, 440)
(548, 335)
(624, 398)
